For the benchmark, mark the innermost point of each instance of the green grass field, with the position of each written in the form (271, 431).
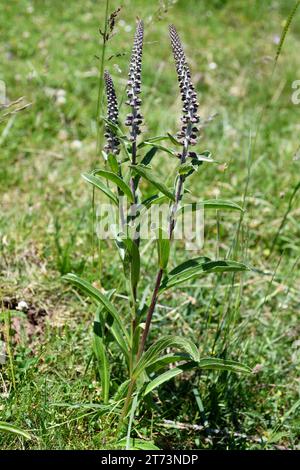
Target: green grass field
(50, 56)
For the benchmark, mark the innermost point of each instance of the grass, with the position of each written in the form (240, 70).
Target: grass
(46, 221)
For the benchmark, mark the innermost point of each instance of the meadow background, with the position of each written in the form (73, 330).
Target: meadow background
(50, 56)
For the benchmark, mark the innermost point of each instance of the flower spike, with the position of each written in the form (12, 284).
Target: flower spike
(134, 119)
(113, 142)
(189, 130)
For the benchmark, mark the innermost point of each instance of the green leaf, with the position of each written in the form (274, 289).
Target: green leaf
(167, 359)
(223, 364)
(117, 329)
(147, 174)
(145, 161)
(95, 181)
(155, 350)
(205, 363)
(211, 204)
(203, 157)
(109, 175)
(186, 169)
(138, 444)
(173, 140)
(134, 261)
(221, 204)
(122, 390)
(100, 350)
(7, 427)
(152, 140)
(169, 374)
(163, 248)
(103, 366)
(155, 199)
(149, 156)
(198, 267)
(113, 163)
(131, 418)
(153, 143)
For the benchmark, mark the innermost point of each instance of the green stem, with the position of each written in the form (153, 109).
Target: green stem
(101, 82)
(99, 144)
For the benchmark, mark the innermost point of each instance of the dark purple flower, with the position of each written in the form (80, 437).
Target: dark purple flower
(190, 119)
(113, 142)
(134, 119)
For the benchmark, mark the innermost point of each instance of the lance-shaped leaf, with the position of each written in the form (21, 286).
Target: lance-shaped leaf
(147, 174)
(8, 427)
(109, 175)
(133, 254)
(223, 364)
(149, 156)
(202, 157)
(113, 162)
(153, 143)
(99, 347)
(155, 350)
(145, 161)
(221, 204)
(166, 360)
(199, 267)
(97, 183)
(155, 199)
(174, 140)
(168, 375)
(205, 363)
(210, 204)
(160, 138)
(163, 248)
(118, 330)
(122, 391)
(103, 366)
(137, 444)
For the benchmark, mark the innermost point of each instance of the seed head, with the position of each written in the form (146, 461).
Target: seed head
(113, 142)
(134, 119)
(190, 118)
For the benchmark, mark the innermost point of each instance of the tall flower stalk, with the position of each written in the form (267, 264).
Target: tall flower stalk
(134, 118)
(188, 137)
(112, 141)
(190, 119)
